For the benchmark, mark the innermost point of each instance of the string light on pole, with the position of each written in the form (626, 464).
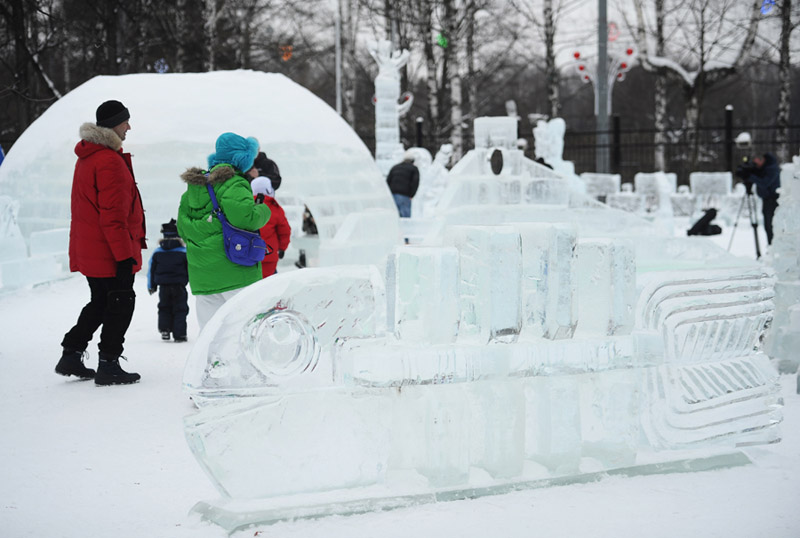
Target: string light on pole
(620, 62)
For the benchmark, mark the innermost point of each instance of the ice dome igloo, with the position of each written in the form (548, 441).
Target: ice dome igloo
(175, 120)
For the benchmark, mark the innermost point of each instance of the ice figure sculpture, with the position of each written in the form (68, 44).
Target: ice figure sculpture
(783, 338)
(549, 144)
(433, 180)
(536, 336)
(388, 109)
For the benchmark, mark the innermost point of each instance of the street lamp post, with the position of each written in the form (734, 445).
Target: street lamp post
(601, 90)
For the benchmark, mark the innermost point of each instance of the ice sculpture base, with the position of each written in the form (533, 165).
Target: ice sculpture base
(233, 515)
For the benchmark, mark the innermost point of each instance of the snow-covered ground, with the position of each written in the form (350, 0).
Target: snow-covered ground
(81, 461)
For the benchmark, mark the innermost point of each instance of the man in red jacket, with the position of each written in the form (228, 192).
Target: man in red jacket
(106, 238)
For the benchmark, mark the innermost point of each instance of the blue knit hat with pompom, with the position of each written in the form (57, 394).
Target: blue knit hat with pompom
(236, 150)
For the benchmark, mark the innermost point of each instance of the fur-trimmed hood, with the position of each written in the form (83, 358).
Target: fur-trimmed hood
(197, 176)
(103, 136)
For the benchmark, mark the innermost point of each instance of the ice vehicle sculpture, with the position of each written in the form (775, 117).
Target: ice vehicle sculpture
(534, 336)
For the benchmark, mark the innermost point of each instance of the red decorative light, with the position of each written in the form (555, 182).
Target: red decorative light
(581, 67)
(586, 77)
(577, 55)
(629, 52)
(623, 65)
(619, 76)
(374, 99)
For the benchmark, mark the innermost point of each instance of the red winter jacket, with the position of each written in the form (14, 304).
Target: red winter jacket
(107, 215)
(275, 233)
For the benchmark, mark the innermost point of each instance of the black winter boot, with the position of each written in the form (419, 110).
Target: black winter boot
(71, 363)
(109, 372)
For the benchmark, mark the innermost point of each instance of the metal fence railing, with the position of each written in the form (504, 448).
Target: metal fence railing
(634, 150)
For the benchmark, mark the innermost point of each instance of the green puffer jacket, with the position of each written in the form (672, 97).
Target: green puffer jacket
(210, 271)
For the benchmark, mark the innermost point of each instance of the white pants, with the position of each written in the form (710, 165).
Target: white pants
(207, 305)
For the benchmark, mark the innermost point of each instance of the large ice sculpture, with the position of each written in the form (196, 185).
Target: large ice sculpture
(535, 336)
(783, 339)
(388, 108)
(324, 164)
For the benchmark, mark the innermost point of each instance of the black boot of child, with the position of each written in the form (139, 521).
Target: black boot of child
(109, 372)
(71, 363)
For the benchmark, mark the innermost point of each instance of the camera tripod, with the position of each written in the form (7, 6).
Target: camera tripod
(750, 200)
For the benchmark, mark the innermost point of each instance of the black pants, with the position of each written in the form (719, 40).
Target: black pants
(173, 307)
(768, 206)
(111, 305)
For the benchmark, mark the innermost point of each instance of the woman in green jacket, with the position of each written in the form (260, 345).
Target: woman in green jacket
(212, 277)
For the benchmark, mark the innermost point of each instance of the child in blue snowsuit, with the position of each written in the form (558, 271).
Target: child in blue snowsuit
(169, 274)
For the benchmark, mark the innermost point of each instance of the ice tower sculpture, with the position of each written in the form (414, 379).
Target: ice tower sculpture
(535, 337)
(388, 149)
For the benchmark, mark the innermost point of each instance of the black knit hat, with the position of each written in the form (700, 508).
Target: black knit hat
(111, 114)
(169, 229)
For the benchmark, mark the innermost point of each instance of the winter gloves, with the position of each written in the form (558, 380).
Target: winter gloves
(125, 268)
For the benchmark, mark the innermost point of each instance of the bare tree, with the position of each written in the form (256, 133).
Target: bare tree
(710, 40)
(784, 75)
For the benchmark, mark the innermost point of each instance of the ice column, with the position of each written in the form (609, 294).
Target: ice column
(548, 280)
(422, 294)
(490, 262)
(606, 287)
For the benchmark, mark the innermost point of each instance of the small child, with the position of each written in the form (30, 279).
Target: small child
(168, 269)
(276, 233)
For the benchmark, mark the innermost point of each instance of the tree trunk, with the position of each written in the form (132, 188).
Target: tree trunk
(21, 75)
(210, 28)
(472, 78)
(348, 32)
(428, 40)
(453, 60)
(784, 76)
(550, 71)
(660, 94)
(245, 29)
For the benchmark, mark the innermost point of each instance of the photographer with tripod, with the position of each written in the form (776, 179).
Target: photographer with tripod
(765, 172)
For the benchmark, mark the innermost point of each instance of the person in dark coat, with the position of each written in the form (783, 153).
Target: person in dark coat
(106, 238)
(766, 176)
(169, 274)
(403, 181)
